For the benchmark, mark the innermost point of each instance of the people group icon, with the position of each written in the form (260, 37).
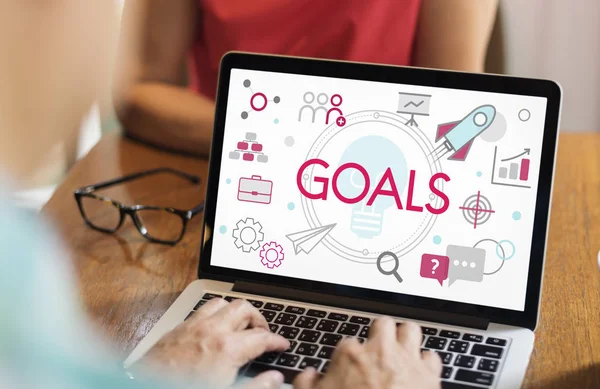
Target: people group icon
(321, 100)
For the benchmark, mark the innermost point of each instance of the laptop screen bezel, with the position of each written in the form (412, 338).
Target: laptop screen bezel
(400, 75)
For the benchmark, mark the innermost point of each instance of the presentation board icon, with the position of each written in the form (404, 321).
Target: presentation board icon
(512, 171)
(413, 104)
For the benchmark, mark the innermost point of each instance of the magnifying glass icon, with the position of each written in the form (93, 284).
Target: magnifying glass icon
(394, 270)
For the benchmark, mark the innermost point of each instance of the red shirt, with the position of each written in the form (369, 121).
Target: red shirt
(379, 31)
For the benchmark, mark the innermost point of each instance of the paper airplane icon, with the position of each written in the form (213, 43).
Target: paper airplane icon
(307, 240)
(459, 135)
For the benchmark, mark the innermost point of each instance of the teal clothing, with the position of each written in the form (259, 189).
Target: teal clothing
(45, 341)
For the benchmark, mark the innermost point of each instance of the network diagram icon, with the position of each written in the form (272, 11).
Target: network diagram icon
(258, 100)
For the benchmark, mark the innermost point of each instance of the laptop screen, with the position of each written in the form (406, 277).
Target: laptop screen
(401, 188)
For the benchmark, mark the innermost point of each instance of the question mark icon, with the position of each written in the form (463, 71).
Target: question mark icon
(436, 264)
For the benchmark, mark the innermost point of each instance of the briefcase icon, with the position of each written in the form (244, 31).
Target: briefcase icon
(255, 190)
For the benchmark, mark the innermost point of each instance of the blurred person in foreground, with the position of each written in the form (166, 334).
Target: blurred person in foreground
(56, 65)
(170, 99)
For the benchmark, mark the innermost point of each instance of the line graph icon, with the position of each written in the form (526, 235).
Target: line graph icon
(477, 209)
(512, 171)
(413, 104)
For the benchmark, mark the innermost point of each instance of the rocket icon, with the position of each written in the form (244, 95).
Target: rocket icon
(459, 136)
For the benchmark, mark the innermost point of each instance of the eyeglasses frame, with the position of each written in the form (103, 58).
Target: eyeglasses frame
(131, 210)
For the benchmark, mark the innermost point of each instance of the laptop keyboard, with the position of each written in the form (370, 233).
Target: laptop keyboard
(470, 360)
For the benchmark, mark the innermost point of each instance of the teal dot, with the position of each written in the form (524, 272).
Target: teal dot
(291, 206)
(228, 181)
(437, 239)
(516, 215)
(479, 174)
(276, 121)
(223, 229)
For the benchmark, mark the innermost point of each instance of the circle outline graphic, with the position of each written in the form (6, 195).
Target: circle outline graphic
(398, 123)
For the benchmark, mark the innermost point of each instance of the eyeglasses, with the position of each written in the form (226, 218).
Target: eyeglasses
(157, 224)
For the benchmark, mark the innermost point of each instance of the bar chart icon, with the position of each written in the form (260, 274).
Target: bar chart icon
(512, 171)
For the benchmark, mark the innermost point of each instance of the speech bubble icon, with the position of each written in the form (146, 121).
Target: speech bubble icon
(466, 263)
(434, 266)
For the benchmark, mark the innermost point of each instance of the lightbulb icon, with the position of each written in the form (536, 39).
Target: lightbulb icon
(375, 154)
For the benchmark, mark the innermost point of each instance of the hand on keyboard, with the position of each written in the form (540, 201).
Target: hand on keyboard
(215, 343)
(390, 358)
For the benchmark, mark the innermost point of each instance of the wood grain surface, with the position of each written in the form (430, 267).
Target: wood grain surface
(127, 283)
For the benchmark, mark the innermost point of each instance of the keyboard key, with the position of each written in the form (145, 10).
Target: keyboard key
(310, 362)
(288, 360)
(307, 349)
(293, 344)
(286, 319)
(231, 298)
(269, 315)
(189, 315)
(361, 340)
(209, 296)
(325, 367)
(473, 338)
(306, 322)
(274, 307)
(364, 333)
(488, 364)
(496, 342)
(330, 339)
(429, 330)
(296, 310)
(360, 320)
(464, 361)
(450, 334)
(457, 385)
(446, 357)
(200, 303)
(475, 377)
(316, 313)
(436, 343)
(326, 352)
(349, 329)
(458, 347)
(327, 325)
(447, 372)
(337, 316)
(289, 332)
(255, 369)
(268, 357)
(256, 303)
(487, 351)
(273, 328)
(309, 336)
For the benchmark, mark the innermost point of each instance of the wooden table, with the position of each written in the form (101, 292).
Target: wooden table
(127, 283)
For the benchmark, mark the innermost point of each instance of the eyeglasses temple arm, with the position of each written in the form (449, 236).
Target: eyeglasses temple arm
(199, 208)
(135, 176)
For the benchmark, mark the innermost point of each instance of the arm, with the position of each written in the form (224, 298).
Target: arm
(151, 101)
(454, 34)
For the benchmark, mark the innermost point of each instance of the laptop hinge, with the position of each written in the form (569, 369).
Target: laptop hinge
(361, 305)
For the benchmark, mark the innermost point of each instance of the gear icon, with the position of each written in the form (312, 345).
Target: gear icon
(271, 255)
(248, 235)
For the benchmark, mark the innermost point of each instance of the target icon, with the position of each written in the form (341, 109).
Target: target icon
(477, 209)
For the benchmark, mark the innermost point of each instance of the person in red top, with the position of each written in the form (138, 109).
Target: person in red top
(172, 69)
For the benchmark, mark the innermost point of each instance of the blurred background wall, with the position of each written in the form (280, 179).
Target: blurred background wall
(555, 39)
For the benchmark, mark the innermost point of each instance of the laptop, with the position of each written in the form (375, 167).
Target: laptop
(339, 192)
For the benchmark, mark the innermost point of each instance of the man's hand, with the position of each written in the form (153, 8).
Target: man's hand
(215, 342)
(390, 359)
